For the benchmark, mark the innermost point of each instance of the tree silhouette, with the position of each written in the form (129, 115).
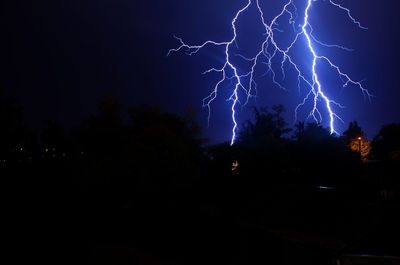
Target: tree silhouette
(267, 126)
(167, 140)
(317, 144)
(353, 132)
(104, 131)
(386, 145)
(354, 138)
(55, 136)
(136, 149)
(299, 131)
(314, 132)
(12, 132)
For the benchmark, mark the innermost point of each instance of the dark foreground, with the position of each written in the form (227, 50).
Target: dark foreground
(233, 219)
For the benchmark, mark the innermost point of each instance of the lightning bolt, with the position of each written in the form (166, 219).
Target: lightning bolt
(269, 50)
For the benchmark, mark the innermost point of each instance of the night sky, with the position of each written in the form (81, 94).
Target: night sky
(59, 58)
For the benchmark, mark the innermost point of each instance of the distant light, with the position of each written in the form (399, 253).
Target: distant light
(359, 138)
(375, 256)
(46, 150)
(235, 166)
(324, 188)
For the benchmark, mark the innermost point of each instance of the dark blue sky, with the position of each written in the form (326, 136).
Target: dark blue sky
(59, 58)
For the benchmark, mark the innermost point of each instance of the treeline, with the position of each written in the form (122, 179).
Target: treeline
(124, 148)
(177, 188)
(143, 136)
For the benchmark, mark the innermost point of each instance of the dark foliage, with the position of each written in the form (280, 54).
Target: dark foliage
(268, 126)
(11, 129)
(353, 132)
(299, 130)
(386, 145)
(263, 153)
(141, 149)
(136, 185)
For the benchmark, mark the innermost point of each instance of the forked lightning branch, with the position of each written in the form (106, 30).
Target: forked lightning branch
(271, 49)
